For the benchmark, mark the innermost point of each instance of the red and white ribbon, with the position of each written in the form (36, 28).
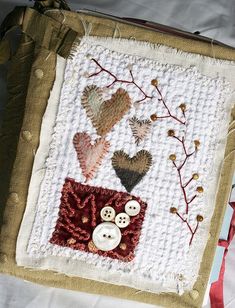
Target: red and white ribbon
(217, 290)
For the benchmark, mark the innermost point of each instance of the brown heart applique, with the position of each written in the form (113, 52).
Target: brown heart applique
(131, 170)
(89, 155)
(139, 128)
(105, 114)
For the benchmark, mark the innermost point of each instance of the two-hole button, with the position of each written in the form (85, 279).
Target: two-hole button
(106, 236)
(132, 208)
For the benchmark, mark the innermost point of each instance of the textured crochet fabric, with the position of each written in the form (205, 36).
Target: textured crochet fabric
(170, 166)
(80, 214)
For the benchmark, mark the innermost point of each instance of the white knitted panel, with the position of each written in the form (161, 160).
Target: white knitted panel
(163, 250)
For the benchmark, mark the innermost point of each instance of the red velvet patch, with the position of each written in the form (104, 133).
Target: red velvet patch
(79, 214)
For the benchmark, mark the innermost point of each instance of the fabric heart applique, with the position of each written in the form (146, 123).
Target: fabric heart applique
(131, 170)
(139, 128)
(105, 114)
(89, 155)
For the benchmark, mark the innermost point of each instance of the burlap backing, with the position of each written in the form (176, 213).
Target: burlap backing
(28, 95)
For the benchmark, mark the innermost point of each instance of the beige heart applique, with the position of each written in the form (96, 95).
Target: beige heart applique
(139, 128)
(105, 114)
(90, 155)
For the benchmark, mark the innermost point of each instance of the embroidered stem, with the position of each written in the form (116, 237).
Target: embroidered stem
(116, 79)
(183, 186)
(189, 227)
(187, 183)
(170, 115)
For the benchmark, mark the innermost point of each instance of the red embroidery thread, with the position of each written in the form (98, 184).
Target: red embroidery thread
(154, 117)
(183, 186)
(154, 82)
(79, 201)
(116, 79)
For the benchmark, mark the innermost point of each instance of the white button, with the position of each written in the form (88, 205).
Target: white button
(13, 198)
(107, 213)
(39, 73)
(106, 236)
(132, 208)
(27, 136)
(122, 220)
(194, 294)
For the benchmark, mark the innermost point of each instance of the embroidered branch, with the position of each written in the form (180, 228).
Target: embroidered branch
(199, 218)
(184, 185)
(171, 133)
(116, 79)
(154, 82)
(154, 117)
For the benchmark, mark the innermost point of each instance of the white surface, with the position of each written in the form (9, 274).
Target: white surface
(212, 18)
(162, 255)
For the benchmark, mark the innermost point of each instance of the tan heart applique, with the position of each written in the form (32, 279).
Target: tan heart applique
(131, 170)
(89, 155)
(139, 128)
(105, 114)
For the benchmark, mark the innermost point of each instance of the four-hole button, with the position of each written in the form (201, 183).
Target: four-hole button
(122, 220)
(107, 213)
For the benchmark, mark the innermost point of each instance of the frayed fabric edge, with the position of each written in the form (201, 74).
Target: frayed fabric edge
(144, 49)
